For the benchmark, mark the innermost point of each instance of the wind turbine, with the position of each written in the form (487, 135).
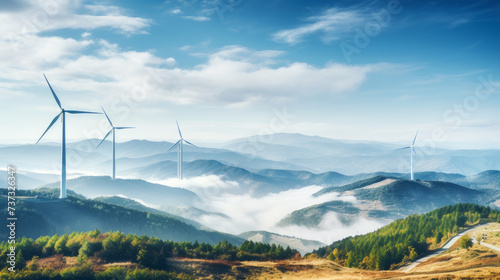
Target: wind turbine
(62, 114)
(112, 130)
(412, 152)
(180, 151)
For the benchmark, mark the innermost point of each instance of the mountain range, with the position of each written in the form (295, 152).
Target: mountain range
(277, 151)
(351, 180)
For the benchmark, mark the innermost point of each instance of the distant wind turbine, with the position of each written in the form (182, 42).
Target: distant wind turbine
(112, 130)
(180, 151)
(412, 153)
(62, 114)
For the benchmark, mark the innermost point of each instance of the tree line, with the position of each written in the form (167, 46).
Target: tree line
(149, 252)
(406, 239)
(86, 272)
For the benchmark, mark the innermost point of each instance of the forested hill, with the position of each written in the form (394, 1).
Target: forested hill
(407, 239)
(149, 252)
(40, 213)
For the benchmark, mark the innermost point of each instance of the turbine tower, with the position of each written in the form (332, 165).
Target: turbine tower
(412, 153)
(62, 114)
(113, 128)
(180, 151)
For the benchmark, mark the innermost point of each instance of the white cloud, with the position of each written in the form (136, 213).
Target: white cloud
(207, 185)
(86, 35)
(175, 11)
(234, 76)
(197, 18)
(331, 229)
(25, 56)
(40, 16)
(238, 76)
(332, 24)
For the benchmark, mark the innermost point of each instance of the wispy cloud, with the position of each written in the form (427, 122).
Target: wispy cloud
(197, 18)
(40, 16)
(201, 45)
(463, 17)
(175, 11)
(458, 13)
(332, 24)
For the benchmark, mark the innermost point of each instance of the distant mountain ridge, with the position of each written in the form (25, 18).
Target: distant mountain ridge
(276, 180)
(277, 151)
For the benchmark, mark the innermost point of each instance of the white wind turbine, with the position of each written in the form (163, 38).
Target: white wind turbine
(180, 151)
(113, 128)
(412, 153)
(62, 114)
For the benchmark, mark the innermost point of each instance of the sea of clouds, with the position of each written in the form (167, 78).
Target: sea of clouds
(245, 212)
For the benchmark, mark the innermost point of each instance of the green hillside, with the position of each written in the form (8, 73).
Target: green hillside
(405, 240)
(40, 214)
(112, 247)
(130, 203)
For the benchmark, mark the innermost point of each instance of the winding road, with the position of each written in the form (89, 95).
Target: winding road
(444, 248)
(494, 248)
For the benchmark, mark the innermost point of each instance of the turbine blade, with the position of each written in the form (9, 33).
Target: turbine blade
(124, 127)
(53, 93)
(413, 150)
(402, 148)
(107, 117)
(104, 138)
(415, 138)
(180, 134)
(50, 125)
(81, 112)
(190, 143)
(175, 145)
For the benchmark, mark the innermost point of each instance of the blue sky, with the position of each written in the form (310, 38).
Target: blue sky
(374, 70)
